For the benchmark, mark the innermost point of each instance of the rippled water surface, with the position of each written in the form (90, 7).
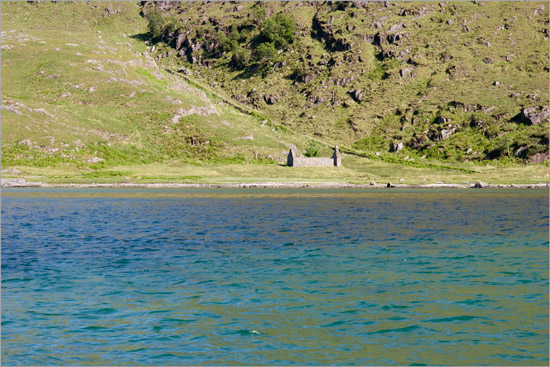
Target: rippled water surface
(278, 277)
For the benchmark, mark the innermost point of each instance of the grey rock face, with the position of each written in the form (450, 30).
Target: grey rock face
(535, 115)
(446, 133)
(406, 71)
(271, 98)
(356, 94)
(539, 158)
(396, 147)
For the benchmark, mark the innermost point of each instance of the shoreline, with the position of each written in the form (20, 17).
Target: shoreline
(22, 183)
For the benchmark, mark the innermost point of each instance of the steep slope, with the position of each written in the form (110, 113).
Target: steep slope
(465, 81)
(79, 89)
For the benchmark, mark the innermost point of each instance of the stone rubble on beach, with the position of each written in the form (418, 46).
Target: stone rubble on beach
(20, 182)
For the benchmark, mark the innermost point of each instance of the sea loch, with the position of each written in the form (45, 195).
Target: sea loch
(277, 276)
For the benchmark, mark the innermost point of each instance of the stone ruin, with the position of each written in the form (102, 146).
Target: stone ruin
(294, 160)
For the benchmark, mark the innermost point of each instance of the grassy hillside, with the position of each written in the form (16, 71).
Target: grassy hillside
(448, 80)
(86, 93)
(89, 94)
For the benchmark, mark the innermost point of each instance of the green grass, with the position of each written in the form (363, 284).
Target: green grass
(104, 99)
(96, 107)
(355, 170)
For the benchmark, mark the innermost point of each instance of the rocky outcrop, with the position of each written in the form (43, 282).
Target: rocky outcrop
(406, 71)
(418, 141)
(539, 158)
(271, 98)
(325, 32)
(356, 94)
(162, 5)
(396, 147)
(535, 115)
(322, 80)
(442, 120)
(446, 133)
(396, 37)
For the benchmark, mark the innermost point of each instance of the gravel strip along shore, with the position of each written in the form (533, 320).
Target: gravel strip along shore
(276, 185)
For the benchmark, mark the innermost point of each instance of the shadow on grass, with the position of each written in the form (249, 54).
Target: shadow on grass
(141, 37)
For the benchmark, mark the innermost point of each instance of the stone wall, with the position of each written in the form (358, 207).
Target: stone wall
(295, 161)
(313, 162)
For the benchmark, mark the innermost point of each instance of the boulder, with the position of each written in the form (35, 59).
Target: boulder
(479, 185)
(396, 27)
(406, 71)
(393, 38)
(356, 94)
(442, 120)
(95, 160)
(446, 133)
(396, 147)
(271, 98)
(535, 115)
(26, 142)
(487, 110)
(166, 5)
(343, 45)
(539, 158)
(109, 11)
(182, 37)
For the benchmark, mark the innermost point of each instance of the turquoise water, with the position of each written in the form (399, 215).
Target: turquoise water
(274, 277)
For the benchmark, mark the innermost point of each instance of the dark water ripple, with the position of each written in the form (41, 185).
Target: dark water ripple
(256, 277)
